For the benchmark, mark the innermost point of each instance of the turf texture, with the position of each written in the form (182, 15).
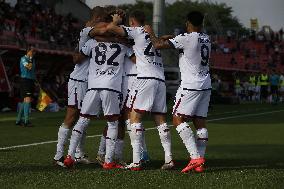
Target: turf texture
(245, 150)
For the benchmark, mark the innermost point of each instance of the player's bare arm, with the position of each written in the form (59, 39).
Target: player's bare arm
(112, 39)
(158, 43)
(98, 29)
(167, 37)
(113, 26)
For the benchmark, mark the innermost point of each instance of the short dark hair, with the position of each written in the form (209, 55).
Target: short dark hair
(98, 13)
(195, 18)
(138, 15)
(30, 47)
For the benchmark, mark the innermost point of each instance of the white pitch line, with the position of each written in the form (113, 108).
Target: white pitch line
(152, 128)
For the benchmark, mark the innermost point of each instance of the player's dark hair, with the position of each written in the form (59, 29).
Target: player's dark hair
(30, 47)
(99, 14)
(138, 15)
(195, 18)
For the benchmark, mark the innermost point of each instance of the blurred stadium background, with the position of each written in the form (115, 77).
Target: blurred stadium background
(53, 27)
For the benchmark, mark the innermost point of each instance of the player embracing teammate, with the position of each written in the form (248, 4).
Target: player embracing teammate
(193, 95)
(148, 91)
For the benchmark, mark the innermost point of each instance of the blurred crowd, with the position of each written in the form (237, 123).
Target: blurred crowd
(30, 19)
(256, 51)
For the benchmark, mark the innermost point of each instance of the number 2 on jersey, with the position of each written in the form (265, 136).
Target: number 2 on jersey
(101, 50)
(204, 55)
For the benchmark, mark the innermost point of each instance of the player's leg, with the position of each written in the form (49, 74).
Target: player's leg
(111, 108)
(27, 109)
(102, 148)
(159, 110)
(80, 155)
(185, 106)
(20, 107)
(136, 137)
(143, 98)
(199, 121)
(90, 107)
(20, 113)
(70, 118)
(118, 152)
(29, 88)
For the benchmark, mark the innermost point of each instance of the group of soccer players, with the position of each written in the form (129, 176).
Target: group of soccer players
(120, 73)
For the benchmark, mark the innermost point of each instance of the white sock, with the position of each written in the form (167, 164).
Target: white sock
(136, 141)
(128, 127)
(102, 146)
(63, 132)
(188, 139)
(118, 152)
(144, 146)
(111, 137)
(76, 136)
(165, 136)
(201, 141)
(80, 152)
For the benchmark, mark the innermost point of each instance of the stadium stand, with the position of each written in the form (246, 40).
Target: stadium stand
(30, 23)
(55, 37)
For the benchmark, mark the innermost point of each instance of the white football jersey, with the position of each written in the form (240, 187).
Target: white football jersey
(148, 60)
(106, 64)
(194, 59)
(80, 71)
(129, 67)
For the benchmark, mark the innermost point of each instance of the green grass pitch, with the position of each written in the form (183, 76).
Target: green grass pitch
(246, 150)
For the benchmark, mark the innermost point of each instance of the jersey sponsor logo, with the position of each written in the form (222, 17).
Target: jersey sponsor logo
(107, 72)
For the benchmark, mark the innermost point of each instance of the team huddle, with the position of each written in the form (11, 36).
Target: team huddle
(119, 73)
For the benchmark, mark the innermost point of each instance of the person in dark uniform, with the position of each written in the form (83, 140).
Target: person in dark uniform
(27, 74)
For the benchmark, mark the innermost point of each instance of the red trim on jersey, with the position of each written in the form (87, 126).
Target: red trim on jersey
(111, 116)
(76, 97)
(140, 111)
(200, 117)
(87, 115)
(159, 113)
(176, 106)
(133, 100)
(126, 99)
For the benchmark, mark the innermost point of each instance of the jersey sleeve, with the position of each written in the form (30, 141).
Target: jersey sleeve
(87, 48)
(88, 30)
(178, 41)
(24, 62)
(131, 32)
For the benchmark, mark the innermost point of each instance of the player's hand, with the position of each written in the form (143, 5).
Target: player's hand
(148, 29)
(120, 12)
(29, 66)
(116, 19)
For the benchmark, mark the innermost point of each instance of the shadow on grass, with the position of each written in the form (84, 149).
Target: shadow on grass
(235, 157)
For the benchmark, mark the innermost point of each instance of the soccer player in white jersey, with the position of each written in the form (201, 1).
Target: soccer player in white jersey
(104, 91)
(77, 87)
(149, 89)
(193, 95)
